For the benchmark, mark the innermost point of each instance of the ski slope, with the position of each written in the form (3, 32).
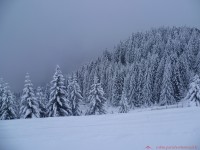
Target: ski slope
(132, 131)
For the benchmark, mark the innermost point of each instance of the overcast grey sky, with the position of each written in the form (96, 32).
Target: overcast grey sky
(35, 35)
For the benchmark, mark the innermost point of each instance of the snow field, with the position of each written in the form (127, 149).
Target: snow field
(131, 131)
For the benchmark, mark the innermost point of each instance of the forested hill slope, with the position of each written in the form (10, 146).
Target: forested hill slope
(153, 67)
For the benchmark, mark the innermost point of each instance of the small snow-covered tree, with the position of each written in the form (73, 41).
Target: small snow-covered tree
(58, 105)
(123, 103)
(193, 95)
(96, 98)
(74, 95)
(7, 107)
(29, 105)
(40, 96)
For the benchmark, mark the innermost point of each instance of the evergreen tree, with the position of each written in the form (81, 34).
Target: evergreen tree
(17, 103)
(193, 95)
(158, 80)
(7, 108)
(29, 105)
(141, 82)
(41, 102)
(2, 86)
(127, 87)
(153, 68)
(117, 87)
(185, 73)
(110, 82)
(96, 99)
(74, 95)
(47, 94)
(85, 85)
(167, 95)
(197, 64)
(123, 104)
(133, 96)
(147, 90)
(178, 84)
(130, 52)
(58, 105)
(193, 48)
(148, 85)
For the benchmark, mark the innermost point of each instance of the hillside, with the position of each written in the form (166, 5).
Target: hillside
(169, 127)
(148, 67)
(159, 67)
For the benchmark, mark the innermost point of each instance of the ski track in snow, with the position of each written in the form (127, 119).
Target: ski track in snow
(132, 131)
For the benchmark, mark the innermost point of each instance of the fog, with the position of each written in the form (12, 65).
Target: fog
(37, 35)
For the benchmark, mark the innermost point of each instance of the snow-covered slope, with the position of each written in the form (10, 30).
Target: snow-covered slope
(132, 131)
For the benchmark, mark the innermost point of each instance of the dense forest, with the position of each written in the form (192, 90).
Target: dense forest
(153, 68)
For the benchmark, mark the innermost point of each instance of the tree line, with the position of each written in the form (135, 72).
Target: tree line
(153, 68)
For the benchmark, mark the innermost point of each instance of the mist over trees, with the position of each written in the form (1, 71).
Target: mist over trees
(154, 68)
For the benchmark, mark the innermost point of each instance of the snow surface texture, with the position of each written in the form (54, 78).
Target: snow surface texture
(132, 131)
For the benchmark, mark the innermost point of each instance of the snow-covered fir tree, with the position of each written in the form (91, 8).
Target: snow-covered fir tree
(158, 80)
(147, 90)
(117, 87)
(193, 48)
(17, 103)
(123, 104)
(47, 94)
(133, 95)
(7, 108)
(127, 87)
(185, 73)
(110, 81)
(148, 85)
(41, 99)
(197, 64)
(58, 105)
(2, 86)
(167, 93)
(29, 105)
(193, 95)
(96, 99)
(178, 84)
(141, 82)
(74, 95)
